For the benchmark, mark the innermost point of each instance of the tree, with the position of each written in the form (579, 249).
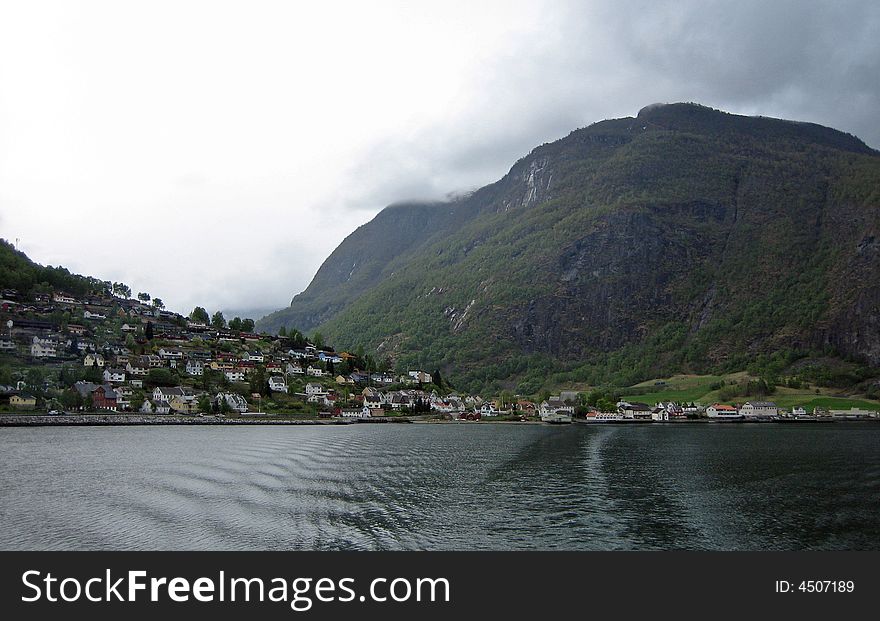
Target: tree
(200, 315)
(160, 377)
(282, 331)
(247, 325)
(158, 303)
(318, 340)
(218, 321)
(436, 379)
(71, 399)
(93, 374)
(506, 399)
(204, 404)
(330, 370)
(144, 297)
(148, 331)
(235, 324)
(606, 405)
(121, 290)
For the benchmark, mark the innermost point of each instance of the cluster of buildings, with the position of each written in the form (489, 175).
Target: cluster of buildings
(768, 410)
(122, 341)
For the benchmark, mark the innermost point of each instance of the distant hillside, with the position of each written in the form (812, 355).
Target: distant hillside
(18, 272)
(682, 240)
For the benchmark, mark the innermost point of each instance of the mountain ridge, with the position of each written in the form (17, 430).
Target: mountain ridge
(628, 243)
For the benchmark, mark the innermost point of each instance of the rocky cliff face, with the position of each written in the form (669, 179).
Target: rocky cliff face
(686, 237)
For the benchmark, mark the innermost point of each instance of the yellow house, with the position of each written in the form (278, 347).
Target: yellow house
(24, 402)
(184, 407)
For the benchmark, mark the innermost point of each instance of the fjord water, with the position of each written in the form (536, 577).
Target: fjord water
(464, 486)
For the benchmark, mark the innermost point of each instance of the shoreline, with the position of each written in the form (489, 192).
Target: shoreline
(124, 420)
(128, 420)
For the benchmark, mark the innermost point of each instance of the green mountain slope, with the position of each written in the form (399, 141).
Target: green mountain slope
(685, 239)
(18, 272)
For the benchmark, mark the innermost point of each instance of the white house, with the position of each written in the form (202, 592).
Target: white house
(195, 367)
(799, 411)
(719, 410)
(634, 411)
(488, 409)
(659, 414)
(554, 405)
(166, 393)
(40, 350)
(137, 368)
(93, 360)
(254, 356)
(364, 412)
(233, 400)
(235, 375)
(314, 371)
(171, 354)
(601, 417)
(373, 398)
(114, 376)
(277, 384)
(315, 389)
(90, 315)
(7, 345)
(329, 357)
(419, 377)
(759, 408)
(294, 369)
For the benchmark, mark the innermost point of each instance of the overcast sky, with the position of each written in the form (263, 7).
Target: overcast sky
(215, 153)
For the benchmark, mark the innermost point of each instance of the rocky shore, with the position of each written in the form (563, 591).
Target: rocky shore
(37, 420)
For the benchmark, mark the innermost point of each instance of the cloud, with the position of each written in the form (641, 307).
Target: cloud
(215, 155)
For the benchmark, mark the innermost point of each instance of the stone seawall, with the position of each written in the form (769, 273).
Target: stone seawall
(37, 420)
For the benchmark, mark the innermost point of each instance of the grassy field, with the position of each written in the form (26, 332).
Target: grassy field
(677, 388)
(698, 388)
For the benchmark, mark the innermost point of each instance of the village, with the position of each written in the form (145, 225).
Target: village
(111, 353)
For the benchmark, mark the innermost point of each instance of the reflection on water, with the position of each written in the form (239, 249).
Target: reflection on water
(441, 487)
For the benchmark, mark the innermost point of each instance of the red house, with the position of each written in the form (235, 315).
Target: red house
(104, 398)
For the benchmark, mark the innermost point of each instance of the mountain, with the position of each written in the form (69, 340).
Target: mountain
(684, 239)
